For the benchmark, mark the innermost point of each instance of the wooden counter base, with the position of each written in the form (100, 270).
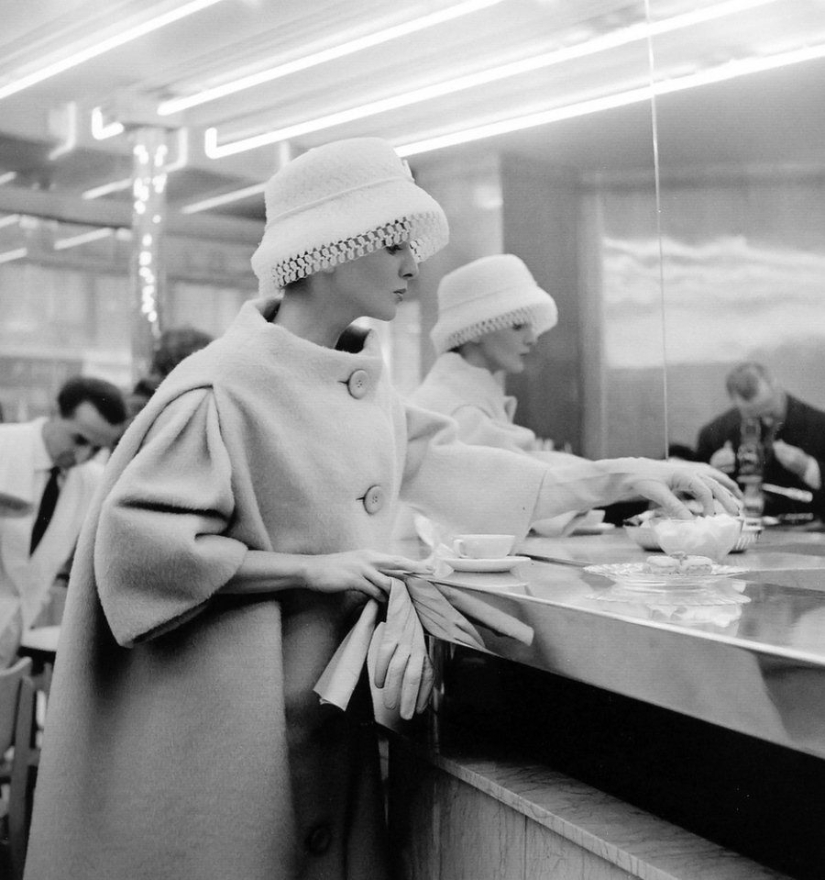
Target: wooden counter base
(453, 817)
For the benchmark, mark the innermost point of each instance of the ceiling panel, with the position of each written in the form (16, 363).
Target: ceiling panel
(46, 130)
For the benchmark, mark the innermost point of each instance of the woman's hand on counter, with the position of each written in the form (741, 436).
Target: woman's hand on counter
(366, 571)
(660, 481)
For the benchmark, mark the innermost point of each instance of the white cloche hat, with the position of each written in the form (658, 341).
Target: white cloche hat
(488, 294)
(338, 202)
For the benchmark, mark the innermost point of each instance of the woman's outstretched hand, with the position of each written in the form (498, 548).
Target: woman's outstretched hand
(366, 571)
(660, 481)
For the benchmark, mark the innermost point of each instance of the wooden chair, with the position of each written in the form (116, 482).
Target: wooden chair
(17, 732)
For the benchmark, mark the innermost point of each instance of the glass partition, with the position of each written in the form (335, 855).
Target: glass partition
(741, 172)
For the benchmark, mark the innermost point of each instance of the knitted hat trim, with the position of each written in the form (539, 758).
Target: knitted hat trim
(523, 315)
(426, 227)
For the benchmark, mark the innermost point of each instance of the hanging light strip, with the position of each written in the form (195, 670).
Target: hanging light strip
(631, 34)
(181, 161)
(62, 244)
(100, 47)
(723, 72)
(175, 105)
(16, 254)
(224, 199)
(102, 130)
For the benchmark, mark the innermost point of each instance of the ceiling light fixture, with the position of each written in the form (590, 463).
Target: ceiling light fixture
(181, 161)
(723, 72)
(102, 130)
(16, 254)
(224, 199)
(175, 105)
(9, 220)
(631, 34)
(62, 244)
(100, 47)
(8, 177)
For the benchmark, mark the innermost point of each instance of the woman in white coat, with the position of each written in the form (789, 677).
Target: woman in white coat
(491, 313)
(244, 519)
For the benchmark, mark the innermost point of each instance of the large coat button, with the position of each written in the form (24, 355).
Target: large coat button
(319, 839)
(358, 383)
(374, 499)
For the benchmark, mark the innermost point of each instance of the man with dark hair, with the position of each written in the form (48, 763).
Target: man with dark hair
(792, 436)
(47, 478)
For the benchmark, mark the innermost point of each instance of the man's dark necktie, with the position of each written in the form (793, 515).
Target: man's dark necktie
(48, 502)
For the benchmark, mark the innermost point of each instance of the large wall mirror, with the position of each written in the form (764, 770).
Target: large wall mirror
(741, 173)
(699, 236)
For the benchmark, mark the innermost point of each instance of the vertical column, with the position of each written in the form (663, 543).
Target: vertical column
(147, 279)
(541, 219)
(468, 187)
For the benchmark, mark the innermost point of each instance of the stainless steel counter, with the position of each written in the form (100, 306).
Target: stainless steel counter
(757, 667)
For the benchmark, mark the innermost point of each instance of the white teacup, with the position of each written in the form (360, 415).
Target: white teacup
(483, 546)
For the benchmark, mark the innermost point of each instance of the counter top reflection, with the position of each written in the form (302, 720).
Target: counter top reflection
(756, 666)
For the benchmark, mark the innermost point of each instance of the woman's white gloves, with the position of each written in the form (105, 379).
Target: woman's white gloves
(403, 670)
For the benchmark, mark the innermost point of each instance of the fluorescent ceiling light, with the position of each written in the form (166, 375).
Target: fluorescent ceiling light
(224, 199)
(17, 254)
(9, 220)
(8, 177)
(175, 105)
(105, 189)
(62, 244)
(102, 46)
(102, 130)
(723, 72)
(631, 34)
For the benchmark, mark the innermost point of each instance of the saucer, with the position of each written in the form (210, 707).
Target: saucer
(484, 581)
(463, 563)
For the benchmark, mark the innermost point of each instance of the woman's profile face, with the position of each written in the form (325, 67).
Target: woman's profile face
(505, 349)
(375, 284)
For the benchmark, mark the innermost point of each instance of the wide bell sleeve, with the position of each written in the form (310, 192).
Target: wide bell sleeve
(467, 488)
(161, 546)
(479, 489)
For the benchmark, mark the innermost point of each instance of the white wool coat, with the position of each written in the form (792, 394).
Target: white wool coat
(183, 738)
(475, 398)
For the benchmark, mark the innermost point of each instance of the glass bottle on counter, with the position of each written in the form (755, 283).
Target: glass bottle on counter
(750, 458)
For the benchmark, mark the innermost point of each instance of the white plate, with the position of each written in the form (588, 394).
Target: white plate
(634, 575)
(505, 563)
